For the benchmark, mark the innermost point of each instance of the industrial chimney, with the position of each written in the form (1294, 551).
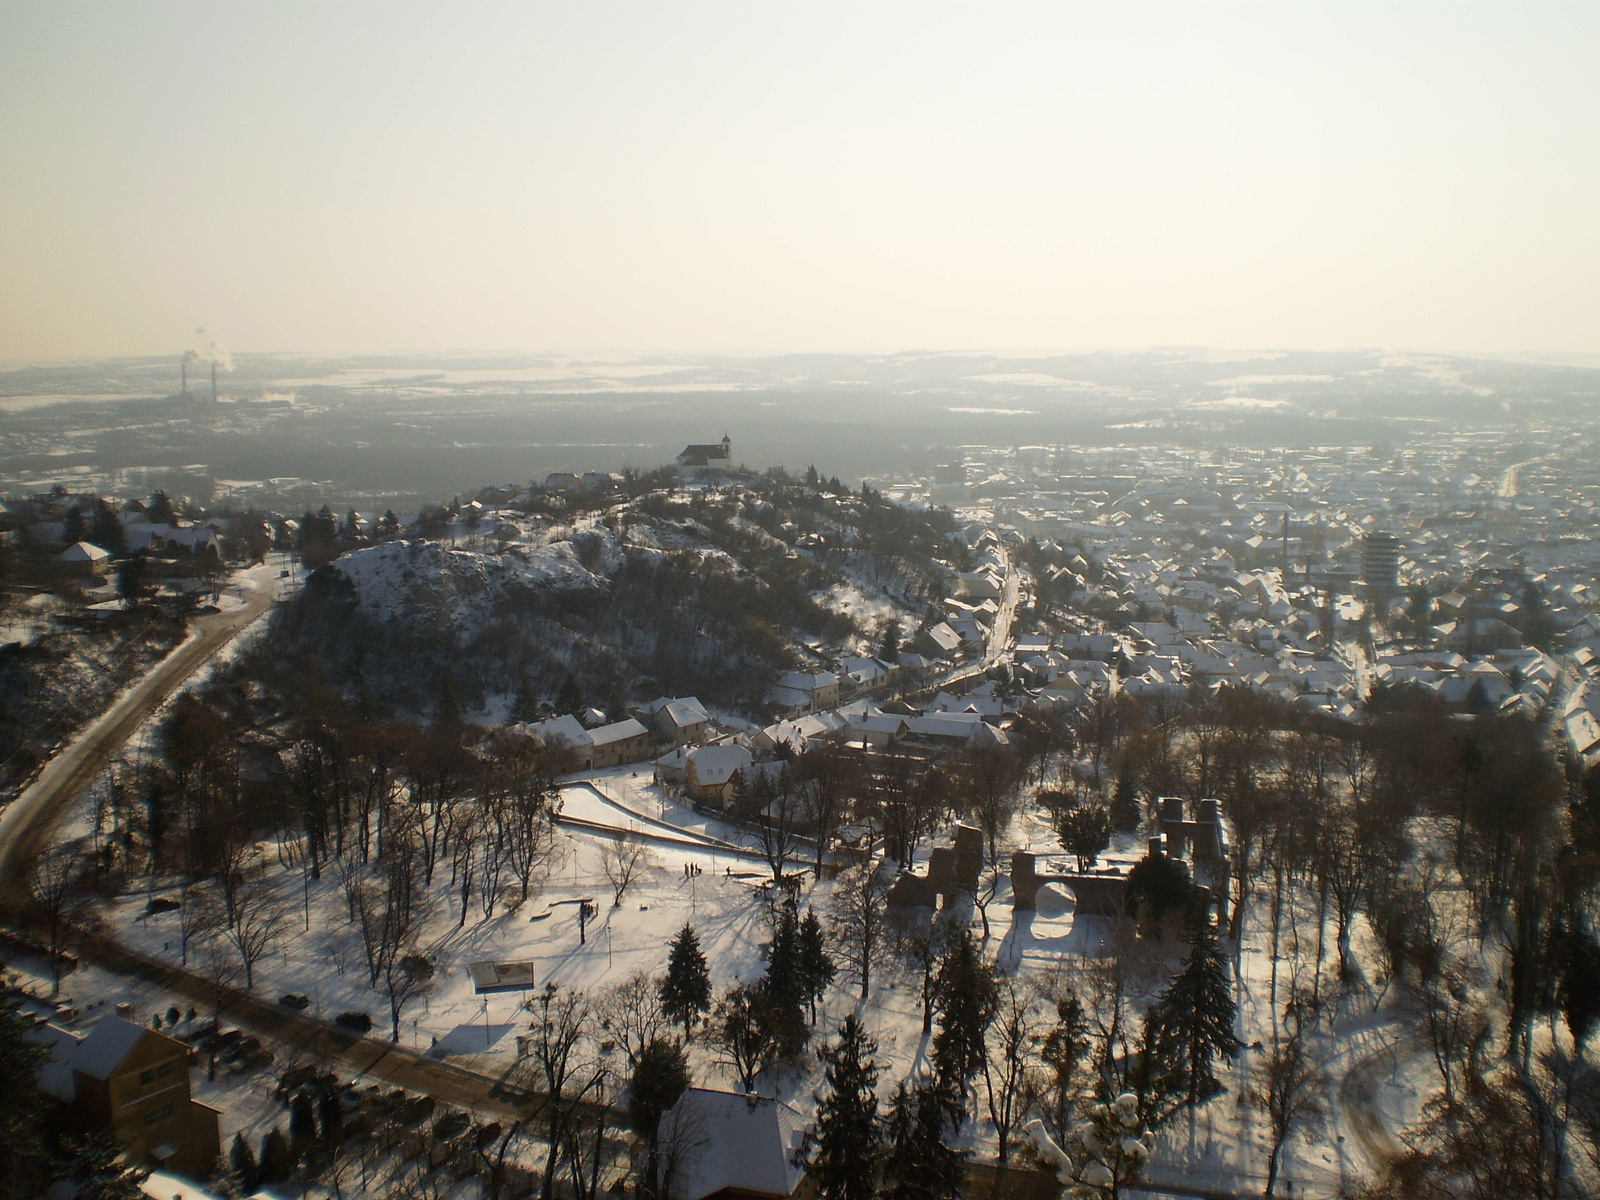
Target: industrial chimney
(183, 365)
(213, 382)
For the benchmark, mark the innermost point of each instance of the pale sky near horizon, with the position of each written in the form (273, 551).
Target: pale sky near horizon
(859, 177)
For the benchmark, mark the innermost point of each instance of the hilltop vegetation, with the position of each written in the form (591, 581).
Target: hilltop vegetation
(505, 610)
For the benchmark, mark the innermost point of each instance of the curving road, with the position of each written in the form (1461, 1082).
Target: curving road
(29, 819)
(32, 815)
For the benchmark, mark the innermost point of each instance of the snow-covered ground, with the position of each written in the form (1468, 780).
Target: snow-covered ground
(321, 956)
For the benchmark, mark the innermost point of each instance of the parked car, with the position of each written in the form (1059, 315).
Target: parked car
(356, 1022)
(295, 1001)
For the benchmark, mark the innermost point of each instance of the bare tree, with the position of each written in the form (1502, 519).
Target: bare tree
(1441, 998)
(921, 937)
(825, 777)
(858, 921)
(680, 1141)
(624, 859)
(1012, 1043)
(992, 775)
(405, 977)
(566, 1076)
(756, 1031)
(631, 1013)
(775, 809)
(199, 917)
(1288, 1085)
(466, 843)
(259, 914)
(55, 880)
(909, 798)
(526, 799)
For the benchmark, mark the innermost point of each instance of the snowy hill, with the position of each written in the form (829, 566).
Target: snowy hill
(712, 595)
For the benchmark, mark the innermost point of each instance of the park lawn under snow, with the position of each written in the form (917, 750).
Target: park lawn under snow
(322, 958)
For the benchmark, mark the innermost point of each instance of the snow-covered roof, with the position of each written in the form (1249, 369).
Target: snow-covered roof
(55, 1076)
(81, 552)
(109, 1042)
(686, 711)
(568, 728)
(716, 764)
(617, 731)
(743, 1143)
(159, 1185)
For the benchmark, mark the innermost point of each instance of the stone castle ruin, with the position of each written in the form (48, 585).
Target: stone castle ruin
(952, 871)
(1198, 842)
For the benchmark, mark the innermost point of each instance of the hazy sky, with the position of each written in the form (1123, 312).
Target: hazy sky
(340, 177)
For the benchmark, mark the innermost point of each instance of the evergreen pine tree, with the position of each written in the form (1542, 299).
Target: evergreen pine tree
(889, 648)
(73, 529)
(302, 1122)
(918, 1163)
(1063, 1051)
(447, 711)
(965, 998)
(107, 531)
(526, 707)
(848, 1140)
(160, 510)
(686, 987)
(242, 1164)
(97, 1168)
(330, 1118)
(659, 1078)
(569, 698)
(816, 964)
(1192, 1023)
(24, 1159)
(1125, 814)
(783, 982)
(277, 1160)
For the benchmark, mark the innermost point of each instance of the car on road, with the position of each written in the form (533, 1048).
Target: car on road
(295, 1001)
(356, 1022)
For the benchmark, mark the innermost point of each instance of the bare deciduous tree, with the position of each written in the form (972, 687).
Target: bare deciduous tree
(55, 880)
(259, 914)
(1012, 1043)
(775, 810)
(859, 930)
(199, 917)
(631, 1013)
(1288, 1085)
(624, 859)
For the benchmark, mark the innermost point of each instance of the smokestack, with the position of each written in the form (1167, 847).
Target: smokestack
(183, 363)
(1285, 515)
(213, 382)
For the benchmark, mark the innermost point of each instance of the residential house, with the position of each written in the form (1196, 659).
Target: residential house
(939, 640)
(133, 1082)
(713, 773)
(84, 558)
(734, 1146)
(605, 746)
(620, 742)
(684, 720)
(811, 690)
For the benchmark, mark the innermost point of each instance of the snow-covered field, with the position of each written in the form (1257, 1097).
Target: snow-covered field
(321, 956)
